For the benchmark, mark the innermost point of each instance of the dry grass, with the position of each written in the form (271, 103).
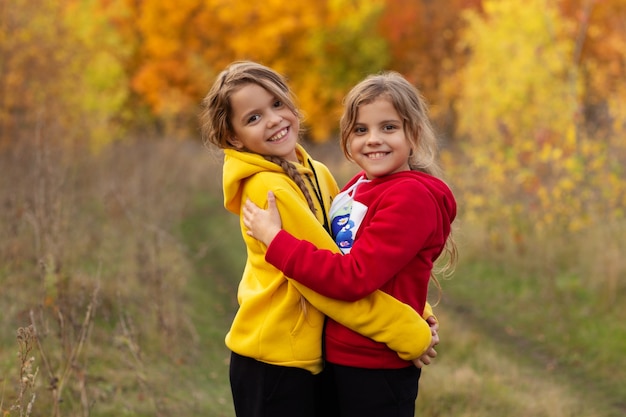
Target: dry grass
(91, 261)
(125, 267)
(474, 377)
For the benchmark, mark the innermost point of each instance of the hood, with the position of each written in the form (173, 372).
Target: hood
(239, 166)
(442, 193)
(438, 189)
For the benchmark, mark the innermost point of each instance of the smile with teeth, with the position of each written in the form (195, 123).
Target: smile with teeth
(279, 135)
(376, 155)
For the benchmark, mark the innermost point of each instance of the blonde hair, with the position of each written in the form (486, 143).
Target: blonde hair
(413, 110)
(215, 118)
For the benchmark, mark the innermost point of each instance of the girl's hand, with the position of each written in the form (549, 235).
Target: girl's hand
(431, 353)
(263, 225)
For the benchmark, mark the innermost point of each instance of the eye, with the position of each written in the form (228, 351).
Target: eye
(278, 104)
(253, 118)
(359, 130)
(389, 128)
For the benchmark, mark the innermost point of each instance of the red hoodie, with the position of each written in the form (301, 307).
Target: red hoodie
(404, 229)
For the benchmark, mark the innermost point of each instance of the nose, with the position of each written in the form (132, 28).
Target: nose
(274, 119)
(373, 139)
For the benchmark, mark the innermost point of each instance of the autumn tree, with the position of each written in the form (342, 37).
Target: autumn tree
(517, 110)
(600, 34)
(531, 169)
(422, 37)
(179, 47)
(59, 75)
(31, 63)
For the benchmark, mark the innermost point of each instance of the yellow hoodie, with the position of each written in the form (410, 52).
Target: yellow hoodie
(274, 324)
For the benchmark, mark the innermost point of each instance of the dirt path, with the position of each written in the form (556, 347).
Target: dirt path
(539, 358)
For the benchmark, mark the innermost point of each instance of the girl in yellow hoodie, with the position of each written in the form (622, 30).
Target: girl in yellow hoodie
(276, 335)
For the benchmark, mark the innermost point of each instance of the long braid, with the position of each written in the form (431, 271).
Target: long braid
(291, 170)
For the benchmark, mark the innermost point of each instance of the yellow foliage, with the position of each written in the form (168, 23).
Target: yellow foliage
(60, 71)
(520, 67)
(100, 85)
(182, 46)
(519, 108)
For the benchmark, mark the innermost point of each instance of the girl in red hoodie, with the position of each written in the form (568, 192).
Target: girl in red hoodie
(391, 221)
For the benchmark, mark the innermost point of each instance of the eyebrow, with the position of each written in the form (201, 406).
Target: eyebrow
(382, 122)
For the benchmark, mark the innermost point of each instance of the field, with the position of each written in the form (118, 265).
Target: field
(119, 272)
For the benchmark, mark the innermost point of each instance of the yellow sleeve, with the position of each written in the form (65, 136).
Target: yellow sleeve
(378, 316)
(428, 312)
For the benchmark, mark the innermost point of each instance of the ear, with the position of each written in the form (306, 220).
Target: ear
(236, 143)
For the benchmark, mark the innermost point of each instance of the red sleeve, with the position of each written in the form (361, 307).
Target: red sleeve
(400, 226)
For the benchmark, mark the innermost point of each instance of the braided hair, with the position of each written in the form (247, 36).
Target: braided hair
(292, 172)
(215, 116)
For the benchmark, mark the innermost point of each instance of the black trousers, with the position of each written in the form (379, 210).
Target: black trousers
(375, 392)
(263, 390)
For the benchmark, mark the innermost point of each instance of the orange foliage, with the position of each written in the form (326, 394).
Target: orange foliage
(422, 38)
(600, 34)
(180, 46)
(58, 78)
(171, 51)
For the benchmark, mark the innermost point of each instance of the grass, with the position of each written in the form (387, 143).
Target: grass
(477, 375)
(211, 232)
(144, 224)
(567, 332)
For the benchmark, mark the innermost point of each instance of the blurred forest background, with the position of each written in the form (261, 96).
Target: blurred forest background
(119, 265)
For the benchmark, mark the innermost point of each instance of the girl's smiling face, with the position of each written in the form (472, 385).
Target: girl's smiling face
(378, 143)
(263, 124)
